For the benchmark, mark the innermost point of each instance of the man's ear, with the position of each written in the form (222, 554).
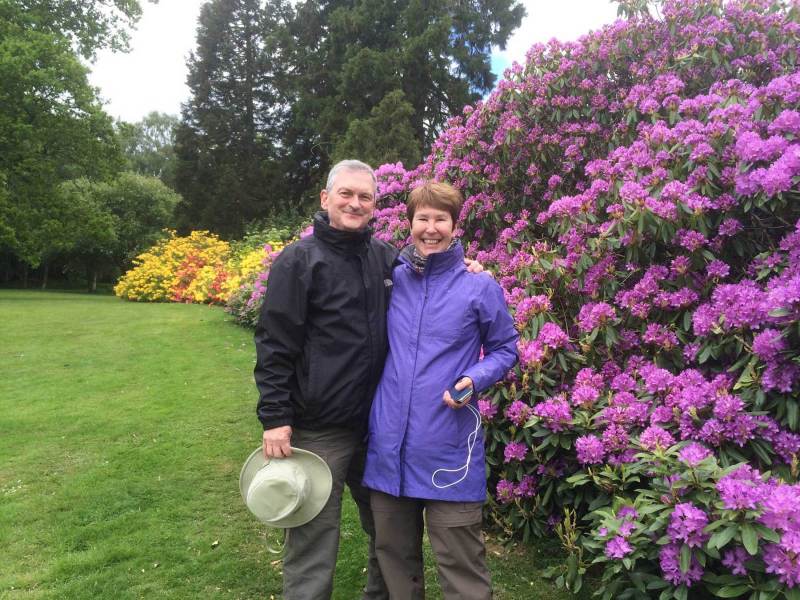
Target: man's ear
(323, 199)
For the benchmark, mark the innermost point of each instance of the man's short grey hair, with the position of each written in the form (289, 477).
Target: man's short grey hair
(350, 165)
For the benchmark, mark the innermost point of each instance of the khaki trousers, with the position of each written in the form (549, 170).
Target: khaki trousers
(454, 529)
(310, 551)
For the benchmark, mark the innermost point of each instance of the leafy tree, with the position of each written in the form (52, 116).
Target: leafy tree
(149, 145)
(226, 143)
(387, 135)
(88, 25)
(108, 223)
(142, 208)
(279, 92)
(89, 230)
(351, 54)
(52, 127)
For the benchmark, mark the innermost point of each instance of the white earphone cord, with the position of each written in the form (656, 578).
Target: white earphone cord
(471, 439)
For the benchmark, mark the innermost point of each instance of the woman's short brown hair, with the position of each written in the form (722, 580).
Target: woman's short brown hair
(435, 194)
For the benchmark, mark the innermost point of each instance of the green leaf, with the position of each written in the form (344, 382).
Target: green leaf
(791, 414)
(704, 355)
(731, 591)
(749, 539)
(722, 537)
(762, 454)
(765, 533)
(686, 558)
(572, 567)
(792, 594)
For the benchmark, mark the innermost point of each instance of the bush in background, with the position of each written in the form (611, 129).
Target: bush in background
(636, 194)
(199, 268)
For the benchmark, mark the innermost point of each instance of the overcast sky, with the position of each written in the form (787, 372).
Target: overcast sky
(153, 75)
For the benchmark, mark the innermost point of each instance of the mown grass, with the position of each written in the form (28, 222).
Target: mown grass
(122, 430)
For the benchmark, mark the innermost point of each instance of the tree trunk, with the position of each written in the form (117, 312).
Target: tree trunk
(25, 275)
(91, 279)
(45, 272)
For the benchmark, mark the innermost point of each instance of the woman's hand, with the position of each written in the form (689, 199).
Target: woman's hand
(463, 383)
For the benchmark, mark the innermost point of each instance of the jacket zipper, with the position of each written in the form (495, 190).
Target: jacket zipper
(411, 387)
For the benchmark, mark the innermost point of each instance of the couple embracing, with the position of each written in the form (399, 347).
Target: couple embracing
(372, 361)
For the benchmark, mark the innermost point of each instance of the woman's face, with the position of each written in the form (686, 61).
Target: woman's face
(431, 230)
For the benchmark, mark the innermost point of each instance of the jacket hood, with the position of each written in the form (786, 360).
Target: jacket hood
(344, 241)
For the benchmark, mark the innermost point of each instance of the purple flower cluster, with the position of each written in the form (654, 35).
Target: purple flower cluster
(530, 306)
(693, 454)
(590, 450)
(735, 560)
(594, 315)
(732, 306)
(518, 413)
(487, 409)
(555, 414)
(507, 491)
(661, 336)
(656, 438)
(669, 559)
(686, 525)
(552, 336)
(618, 547)
(515, 451)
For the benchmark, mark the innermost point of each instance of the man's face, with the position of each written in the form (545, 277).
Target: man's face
(351, 201)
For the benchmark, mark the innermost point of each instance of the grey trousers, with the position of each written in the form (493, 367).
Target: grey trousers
(309, 559)
(454, 529)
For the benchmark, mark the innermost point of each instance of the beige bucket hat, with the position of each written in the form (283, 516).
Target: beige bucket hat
(285, 492)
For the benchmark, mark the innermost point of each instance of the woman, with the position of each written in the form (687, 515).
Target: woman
(425, 451)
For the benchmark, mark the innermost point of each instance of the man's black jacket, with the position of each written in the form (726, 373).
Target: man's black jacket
(321, 338)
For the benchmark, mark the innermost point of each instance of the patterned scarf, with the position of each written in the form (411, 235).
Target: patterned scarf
(418, 261)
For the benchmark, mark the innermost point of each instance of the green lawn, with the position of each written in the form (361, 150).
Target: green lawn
(122, 430)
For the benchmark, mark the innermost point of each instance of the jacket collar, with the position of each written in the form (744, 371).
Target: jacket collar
(350, 242)
(439, 262)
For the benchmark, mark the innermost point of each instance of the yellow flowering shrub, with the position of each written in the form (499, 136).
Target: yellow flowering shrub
(199, 268)
(167, 272)
(245, 267)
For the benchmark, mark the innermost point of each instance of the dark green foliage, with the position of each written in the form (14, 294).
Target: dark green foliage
(387, 135)
(350, 55)
(142, 207)
(225, 143)
(101, 227)
(52, 127)
(90, 25)
(280, 92)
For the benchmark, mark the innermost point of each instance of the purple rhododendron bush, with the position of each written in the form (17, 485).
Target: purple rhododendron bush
(636, 194)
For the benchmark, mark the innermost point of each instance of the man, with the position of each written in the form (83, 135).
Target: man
(320, 344)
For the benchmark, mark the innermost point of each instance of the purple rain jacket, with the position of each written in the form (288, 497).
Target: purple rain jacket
(438, 321)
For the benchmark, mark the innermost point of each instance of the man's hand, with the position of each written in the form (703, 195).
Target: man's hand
(277, 442)
(473, 266)
(463, 383)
